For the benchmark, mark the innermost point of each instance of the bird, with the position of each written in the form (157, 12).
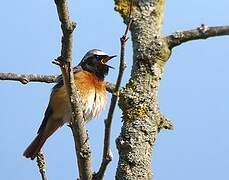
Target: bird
(89, 77)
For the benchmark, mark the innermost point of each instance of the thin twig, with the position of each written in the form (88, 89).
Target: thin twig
(107, 154)
(77, 122)
(202, 32)
(26, 78)
(41, 165)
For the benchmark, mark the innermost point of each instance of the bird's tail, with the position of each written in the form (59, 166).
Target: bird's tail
(34, 148)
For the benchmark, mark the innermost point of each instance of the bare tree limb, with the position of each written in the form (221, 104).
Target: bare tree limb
(41, 165)
(202, 32)
(77, 122)
(107, 154)
(26, 78)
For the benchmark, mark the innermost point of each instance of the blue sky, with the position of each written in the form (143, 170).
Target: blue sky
(193, 93)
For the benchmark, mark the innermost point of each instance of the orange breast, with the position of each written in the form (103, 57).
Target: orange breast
(92, 91)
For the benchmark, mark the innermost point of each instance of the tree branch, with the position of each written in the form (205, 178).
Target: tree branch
(26, 78)
(41, 165)
(202, 32)
(77, 122)
(107, 154)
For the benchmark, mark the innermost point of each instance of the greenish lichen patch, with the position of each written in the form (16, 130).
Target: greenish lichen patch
(135, 111)
(128, 105)
(123, 7)
(163, 56)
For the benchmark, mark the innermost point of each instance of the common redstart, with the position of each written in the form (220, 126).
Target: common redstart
(89, 79)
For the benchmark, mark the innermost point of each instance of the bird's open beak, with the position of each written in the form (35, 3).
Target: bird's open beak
(106, 59)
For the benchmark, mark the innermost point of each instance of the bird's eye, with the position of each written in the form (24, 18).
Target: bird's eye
(97, 57)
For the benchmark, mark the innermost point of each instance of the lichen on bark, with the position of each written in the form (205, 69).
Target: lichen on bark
(139, 99)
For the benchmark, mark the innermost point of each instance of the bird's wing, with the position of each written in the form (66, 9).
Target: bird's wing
(58, 85)
(48, 113)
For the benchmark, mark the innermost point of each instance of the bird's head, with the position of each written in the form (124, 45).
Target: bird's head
(95, 61)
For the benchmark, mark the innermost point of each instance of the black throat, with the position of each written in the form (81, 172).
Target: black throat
(100, 70)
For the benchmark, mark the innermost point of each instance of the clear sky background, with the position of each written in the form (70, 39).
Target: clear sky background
(193, 93)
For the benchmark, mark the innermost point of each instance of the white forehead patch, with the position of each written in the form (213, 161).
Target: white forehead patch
(97, 52)
(94, 52)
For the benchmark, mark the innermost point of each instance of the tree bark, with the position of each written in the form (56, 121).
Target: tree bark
(77, 122)
(142, 118)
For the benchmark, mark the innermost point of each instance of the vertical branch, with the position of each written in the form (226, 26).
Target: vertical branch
(107, 154)
(77, 122)
(41, 165)
(139, 99)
